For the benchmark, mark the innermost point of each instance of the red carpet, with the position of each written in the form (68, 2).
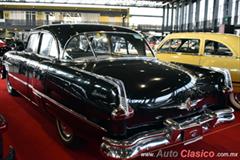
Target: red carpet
(33, 135)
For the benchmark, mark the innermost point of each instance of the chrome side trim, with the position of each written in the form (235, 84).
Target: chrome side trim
(122, 93)
(19, 80)
(42, 95)
(187, 131)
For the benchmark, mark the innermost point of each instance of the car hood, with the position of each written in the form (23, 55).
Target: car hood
(146, 80)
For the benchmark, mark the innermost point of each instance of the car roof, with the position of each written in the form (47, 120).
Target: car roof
(231, 40)
(64, 31)
(204, 34)
(84, 27)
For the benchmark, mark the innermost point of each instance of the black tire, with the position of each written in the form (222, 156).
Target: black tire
(67, 135)
(10, 89)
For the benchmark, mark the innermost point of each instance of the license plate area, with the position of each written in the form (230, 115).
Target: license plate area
(192, 129)
(192, 133)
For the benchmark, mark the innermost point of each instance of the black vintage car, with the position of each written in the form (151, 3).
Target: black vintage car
(105, 84)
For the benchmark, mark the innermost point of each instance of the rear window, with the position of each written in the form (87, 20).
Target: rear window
(216, 48)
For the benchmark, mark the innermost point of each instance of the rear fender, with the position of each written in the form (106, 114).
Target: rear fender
(211, 75)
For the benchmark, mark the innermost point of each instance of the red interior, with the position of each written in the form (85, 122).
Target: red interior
(34, 136)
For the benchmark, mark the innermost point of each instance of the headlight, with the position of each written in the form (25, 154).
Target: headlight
(226, 73)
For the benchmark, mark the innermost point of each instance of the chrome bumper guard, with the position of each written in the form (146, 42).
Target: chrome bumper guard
(187, 131)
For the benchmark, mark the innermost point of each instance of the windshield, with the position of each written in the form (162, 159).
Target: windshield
(106, 44)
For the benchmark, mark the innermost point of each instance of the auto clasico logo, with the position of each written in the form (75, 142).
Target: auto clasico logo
(183, 154)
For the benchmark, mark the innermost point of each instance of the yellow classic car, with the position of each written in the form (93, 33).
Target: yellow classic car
(205, 49)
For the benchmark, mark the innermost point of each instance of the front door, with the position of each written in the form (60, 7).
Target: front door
(181, 51)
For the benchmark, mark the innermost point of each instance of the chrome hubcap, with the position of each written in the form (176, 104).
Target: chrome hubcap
(66, 130)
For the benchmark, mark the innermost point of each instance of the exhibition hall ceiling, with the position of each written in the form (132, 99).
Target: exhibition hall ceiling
(137, 3)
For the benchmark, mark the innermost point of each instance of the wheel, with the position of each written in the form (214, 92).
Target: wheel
(65, 132)
(10, 89)
(235, 99)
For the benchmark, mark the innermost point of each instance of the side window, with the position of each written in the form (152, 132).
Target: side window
(48, 46)
(190, 46)
(216, 48)
(165, 47)
(185, 46)
(33, 41)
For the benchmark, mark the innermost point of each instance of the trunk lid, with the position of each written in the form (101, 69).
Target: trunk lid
(155, 90)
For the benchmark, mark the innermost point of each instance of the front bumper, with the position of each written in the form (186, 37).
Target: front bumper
(187, 131)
